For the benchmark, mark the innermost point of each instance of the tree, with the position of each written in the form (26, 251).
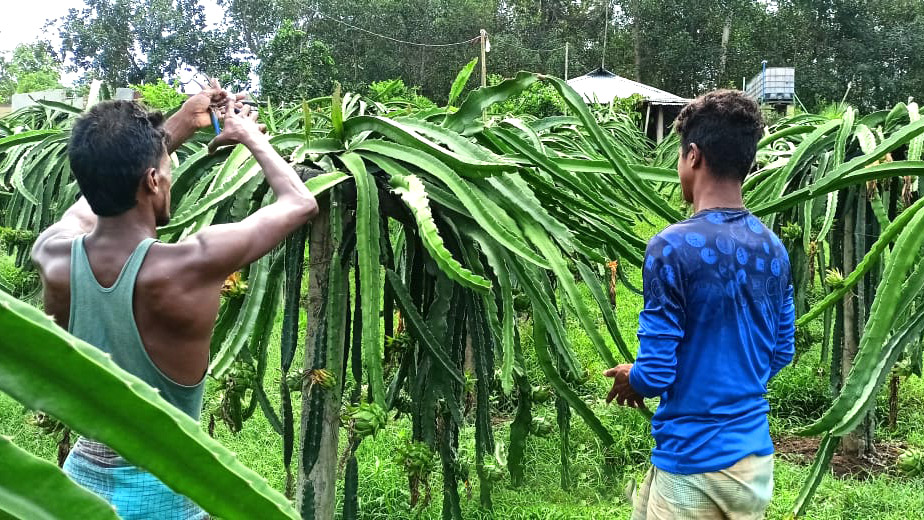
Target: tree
(32, 67)
(258, 20)
(295, 66)
(674, 45)
(136, 41)
(875, 47)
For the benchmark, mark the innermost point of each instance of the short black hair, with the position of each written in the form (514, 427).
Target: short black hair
(726, 126)
(111, 147)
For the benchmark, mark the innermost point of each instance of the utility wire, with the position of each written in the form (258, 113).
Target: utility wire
(508, 44)
(396, 40)
(418, 44)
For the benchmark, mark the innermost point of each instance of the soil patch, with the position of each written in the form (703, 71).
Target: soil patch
(801, 450)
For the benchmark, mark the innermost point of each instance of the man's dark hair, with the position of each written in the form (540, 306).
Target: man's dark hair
(111, 147)
(726, 126)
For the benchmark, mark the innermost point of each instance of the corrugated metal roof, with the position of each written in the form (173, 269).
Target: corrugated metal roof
(602, 86)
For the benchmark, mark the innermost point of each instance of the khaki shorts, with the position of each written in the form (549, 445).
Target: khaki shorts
(741, 492)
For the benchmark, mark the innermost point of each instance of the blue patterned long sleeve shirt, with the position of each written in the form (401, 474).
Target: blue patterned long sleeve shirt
(718, 323)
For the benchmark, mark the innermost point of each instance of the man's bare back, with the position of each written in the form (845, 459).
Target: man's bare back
(174, 310)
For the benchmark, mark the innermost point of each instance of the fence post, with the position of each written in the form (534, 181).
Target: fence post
(566, 61)
(484, 66)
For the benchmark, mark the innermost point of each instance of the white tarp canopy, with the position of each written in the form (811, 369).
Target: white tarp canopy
(602, 86)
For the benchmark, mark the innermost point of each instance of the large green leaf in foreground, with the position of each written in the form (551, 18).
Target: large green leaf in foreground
(36, 489)
(47, 369)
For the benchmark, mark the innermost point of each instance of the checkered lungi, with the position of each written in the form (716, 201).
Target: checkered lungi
(135, 493)
(741, 492)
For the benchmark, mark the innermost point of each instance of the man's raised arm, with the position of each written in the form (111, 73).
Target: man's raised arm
(218, 251)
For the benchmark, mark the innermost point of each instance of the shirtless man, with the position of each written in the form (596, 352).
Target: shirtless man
(152, 305)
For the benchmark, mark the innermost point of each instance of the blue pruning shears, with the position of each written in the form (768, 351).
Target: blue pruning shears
(215, 121)
(212, 112)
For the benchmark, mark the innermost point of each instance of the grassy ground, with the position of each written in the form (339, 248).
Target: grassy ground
(799, 394)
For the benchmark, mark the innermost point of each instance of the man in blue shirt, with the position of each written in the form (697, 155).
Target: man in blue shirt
(717, 325)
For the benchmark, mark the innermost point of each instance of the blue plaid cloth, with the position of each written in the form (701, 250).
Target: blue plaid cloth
(135, 493)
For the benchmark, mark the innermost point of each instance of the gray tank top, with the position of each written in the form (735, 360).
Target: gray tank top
(104, 317)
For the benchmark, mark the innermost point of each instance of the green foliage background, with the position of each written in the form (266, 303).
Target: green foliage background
(872, 53)
(32, 67)
(160, 95)
(294, 66)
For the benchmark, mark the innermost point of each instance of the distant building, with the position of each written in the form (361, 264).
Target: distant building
(660, 107)
(60, 95)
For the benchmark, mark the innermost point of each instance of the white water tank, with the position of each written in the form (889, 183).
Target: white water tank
(776, 86)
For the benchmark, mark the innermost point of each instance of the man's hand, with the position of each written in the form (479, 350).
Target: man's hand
(240, 127)
(197, 109)
(196, 113)
(622, 391)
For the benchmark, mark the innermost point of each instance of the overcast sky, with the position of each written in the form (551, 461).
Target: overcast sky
(22, 20)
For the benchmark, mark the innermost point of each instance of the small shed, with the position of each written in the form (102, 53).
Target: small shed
(660, 107)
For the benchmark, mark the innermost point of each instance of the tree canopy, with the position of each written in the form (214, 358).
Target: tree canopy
(32, 67)
(676, 45)
(295, 66)
(872, 52)
(138, 41)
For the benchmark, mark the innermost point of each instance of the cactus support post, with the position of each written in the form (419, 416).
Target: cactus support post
(317, 484)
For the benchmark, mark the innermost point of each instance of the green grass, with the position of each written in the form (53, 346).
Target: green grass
(13, 280)
(797, 396)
